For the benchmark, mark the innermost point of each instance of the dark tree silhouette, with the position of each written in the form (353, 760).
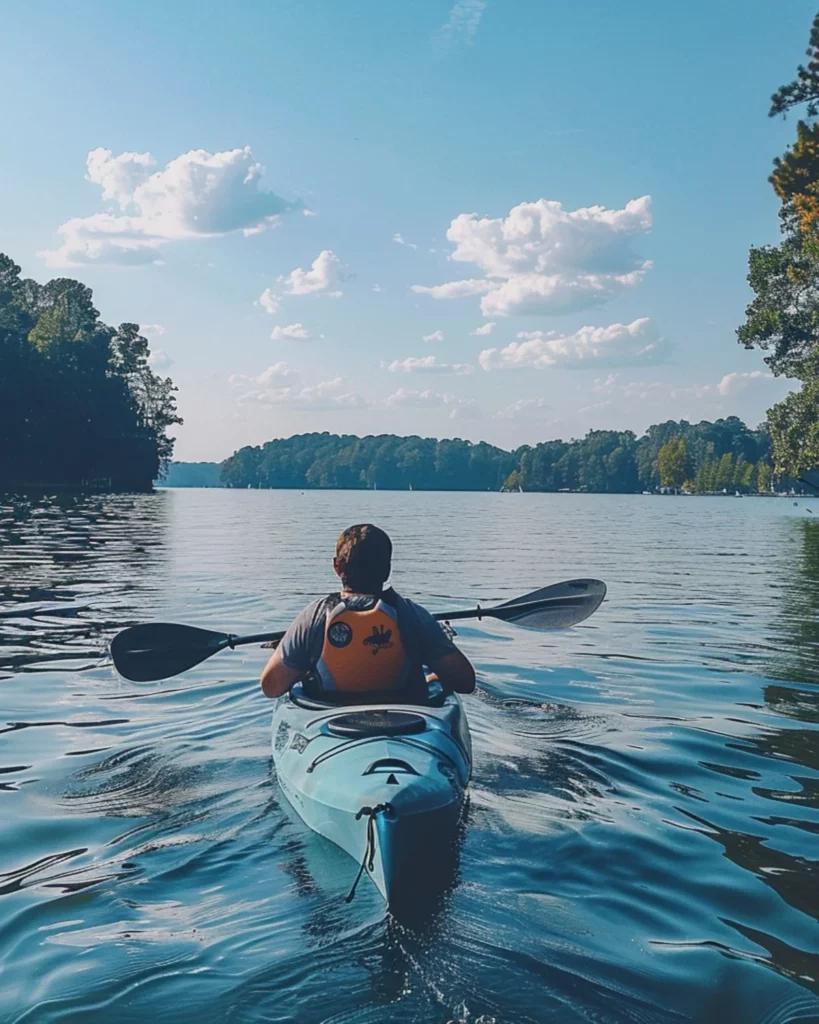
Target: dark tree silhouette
(79, 403)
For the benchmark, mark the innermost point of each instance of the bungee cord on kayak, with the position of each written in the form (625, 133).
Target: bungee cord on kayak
(368, 861)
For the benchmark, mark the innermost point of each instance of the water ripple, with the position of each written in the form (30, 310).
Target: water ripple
(640, 843)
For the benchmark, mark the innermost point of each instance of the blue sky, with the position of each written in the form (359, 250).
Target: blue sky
(285, 194)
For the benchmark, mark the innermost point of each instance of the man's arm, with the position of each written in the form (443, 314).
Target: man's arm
(453, 669)
(297, 653)
(454, 672)
(277, 678)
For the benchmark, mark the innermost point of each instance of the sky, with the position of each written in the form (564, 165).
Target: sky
(500, 220)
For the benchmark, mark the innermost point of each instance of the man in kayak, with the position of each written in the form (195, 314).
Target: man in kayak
(365, 638)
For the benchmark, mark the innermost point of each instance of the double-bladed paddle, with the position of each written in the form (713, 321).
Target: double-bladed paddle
(159, 650)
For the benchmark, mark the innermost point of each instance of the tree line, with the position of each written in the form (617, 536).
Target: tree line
(700, 457)
(79, 403)
(783, 317)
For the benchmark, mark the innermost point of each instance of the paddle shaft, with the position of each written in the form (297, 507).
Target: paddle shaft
(508, 612)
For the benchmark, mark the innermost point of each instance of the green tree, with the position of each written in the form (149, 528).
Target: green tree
(725, 473)
(671, 464)
(783, 317)
(72, 406)
(795, 425)
(764, 478)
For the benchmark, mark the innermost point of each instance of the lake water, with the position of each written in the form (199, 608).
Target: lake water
(643, 832)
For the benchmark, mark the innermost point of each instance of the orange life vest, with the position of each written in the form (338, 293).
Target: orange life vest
(363, 650)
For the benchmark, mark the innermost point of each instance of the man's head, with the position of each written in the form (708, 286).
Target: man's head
(363, 556)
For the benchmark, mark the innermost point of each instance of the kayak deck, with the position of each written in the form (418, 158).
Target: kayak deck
(385, 782)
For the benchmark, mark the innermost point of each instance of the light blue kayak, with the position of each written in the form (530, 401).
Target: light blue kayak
(386, 782)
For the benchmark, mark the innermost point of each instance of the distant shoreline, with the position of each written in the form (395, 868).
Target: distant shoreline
(461, 490)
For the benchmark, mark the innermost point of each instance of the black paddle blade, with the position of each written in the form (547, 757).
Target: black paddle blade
(162, 649)
(555, 607)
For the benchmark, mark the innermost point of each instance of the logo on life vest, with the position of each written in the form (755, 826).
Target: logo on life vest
(380, 640)
(340, 634)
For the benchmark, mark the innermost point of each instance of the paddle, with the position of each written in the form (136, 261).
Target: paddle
(159, 650)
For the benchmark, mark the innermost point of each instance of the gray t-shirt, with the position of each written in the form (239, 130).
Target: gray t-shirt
(424, 639)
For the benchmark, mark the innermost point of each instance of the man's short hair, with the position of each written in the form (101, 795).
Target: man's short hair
(363, 558)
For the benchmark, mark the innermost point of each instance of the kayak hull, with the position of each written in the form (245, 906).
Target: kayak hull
(393, 802)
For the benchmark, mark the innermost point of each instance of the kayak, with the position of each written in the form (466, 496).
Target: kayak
(385, 781)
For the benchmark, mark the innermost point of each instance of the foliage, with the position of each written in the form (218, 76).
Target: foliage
(383, 461)
(711, 456)
(78, 400)
(783, 318)
(805, 87)
(795, 424)
(795, 180)
(671, 463)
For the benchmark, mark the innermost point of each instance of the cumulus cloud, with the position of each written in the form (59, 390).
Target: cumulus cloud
(270, 302)
(454, 289)
(523, 408)
(731, 383)
(292, 332)
(426, 364)
(321, 277)
(279, 385)
(705, 399)
(434, 337)
(485, 329)
(196, 195)
(159, 360)
(151, 330)
(541, 258)
(631, 344)
(399, 239)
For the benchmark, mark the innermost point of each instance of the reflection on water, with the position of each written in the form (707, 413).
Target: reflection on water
(642, 831)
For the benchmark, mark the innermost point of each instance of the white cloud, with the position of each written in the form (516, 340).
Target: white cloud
(426, 364)
(668, 397)
(631, 344)
(159, 360)
(196, 195)
(459, 408)
(119, 176)
(462, 24)
(270, 302)
(454, 289)
(523, 408)
(436, 336)
(541, 258)
(485, 329)
(731, 383)
(151, 330)
(399, 239)
(275, 374)
(378, 289)
(321, 276)
(408, 398)
(293, 332)
(282, 386)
